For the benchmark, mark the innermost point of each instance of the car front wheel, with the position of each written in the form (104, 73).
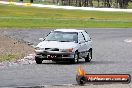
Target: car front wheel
(76, 58)
(38, 60)
(89, 56)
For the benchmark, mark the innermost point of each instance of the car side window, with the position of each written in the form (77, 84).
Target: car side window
(81, 37)
(87, 37)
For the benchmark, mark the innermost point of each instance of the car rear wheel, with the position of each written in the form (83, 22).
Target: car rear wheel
(76, 58)
(89, 56)
(38, 60)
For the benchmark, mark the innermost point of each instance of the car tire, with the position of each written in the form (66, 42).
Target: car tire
(89, 56)
(38, 60)
(76, 58)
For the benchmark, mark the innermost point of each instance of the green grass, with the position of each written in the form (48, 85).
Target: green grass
(31, 17)
(9, 57)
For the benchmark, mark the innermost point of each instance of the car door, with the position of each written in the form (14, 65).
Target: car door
(82, 44)
(88, 40)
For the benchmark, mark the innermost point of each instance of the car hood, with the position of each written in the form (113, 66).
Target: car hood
(56, 44)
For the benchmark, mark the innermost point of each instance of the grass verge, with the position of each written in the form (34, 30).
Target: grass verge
(11, 49)
(9, 57)
(30, 17)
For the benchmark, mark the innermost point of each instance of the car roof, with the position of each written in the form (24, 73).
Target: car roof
(69, 30)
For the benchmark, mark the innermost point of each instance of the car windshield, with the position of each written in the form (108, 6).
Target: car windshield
(62, 36)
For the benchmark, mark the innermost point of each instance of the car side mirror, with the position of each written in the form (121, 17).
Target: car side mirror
(41, 39)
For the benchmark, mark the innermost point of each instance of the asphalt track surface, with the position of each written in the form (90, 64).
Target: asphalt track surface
(112, 53)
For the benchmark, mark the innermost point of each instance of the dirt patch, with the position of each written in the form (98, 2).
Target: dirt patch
(12, 49)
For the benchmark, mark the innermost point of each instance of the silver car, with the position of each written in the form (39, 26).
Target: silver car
(64, 45)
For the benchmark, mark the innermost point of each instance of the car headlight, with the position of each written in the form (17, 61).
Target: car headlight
(38, 48)
(63, 50)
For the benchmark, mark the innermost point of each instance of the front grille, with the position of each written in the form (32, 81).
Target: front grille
(65, 55)
(52, 49)
(47, 48)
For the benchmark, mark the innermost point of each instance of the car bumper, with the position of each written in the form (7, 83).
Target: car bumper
(54, 55)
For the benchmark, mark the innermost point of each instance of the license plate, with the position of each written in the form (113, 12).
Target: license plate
(51, 56)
